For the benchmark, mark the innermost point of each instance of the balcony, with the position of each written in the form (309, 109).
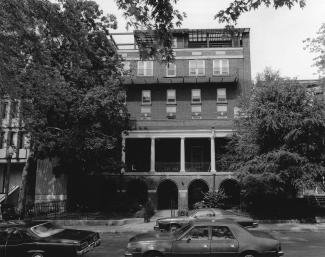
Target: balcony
(167, 166)
(197, 166)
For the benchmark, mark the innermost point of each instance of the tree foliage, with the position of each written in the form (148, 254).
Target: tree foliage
(317, 45)
(280, 145)
(59, 60)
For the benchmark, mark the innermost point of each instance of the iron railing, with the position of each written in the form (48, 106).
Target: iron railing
(197, 166)
(46, 209)
(167, 166)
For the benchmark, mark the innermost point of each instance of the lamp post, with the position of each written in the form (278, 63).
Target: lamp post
(10, 152)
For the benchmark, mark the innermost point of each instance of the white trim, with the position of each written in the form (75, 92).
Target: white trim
(171, 174)
(174, 70)
(188, 49)
(207, 57)
(206, 133)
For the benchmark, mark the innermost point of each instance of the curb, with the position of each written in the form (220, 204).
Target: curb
(96, 222)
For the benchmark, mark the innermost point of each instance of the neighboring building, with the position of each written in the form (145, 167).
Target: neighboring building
(182, 114)
(12, 133)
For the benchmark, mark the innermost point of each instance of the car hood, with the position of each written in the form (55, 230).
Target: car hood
(261, 234)
(174, 219)
(153, 236)
(72, 234)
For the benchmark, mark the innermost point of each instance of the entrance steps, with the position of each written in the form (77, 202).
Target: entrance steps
(164, 213)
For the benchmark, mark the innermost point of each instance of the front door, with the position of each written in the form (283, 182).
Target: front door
(223, 242)
(193, 244)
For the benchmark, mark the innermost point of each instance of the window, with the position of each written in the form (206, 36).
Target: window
(4, 110)
(22, 141)
(222, 111)
(203, 213)
(196, 95)
(171, 112)
(174, 42)
(14, 109)
(146, 96)
(197, 67)
(146, 112)
(198, 233)
(171, 70)
(221, 233)
(221, 67)
(145, 68)
(221, 95)
(2, 140)
(13, 137)
(171, 96)
(196, 111)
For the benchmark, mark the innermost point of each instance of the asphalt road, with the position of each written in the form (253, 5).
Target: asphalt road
(294, 244)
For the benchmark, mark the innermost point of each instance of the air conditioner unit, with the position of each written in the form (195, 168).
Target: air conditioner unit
(171, 115)
(196, 115)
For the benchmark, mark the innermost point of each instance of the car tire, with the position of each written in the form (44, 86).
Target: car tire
(248, 254)
(38, 255)
(154, 254)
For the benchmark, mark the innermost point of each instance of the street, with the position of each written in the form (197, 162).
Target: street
(294, 244)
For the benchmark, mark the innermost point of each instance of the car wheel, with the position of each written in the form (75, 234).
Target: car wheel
(154, 254)
(38, 255)
(248, 254)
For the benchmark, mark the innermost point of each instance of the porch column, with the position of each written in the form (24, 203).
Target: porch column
(153, 155)
(213, 155)
(182, 154)
(123, 154)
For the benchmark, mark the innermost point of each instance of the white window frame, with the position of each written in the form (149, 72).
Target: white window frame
(171, 100)
(223, 116)
(143, 97)
(174, 42)
(195, 67)
(192, 98)
(221, 67)
(145, 68)
(221, 98)
(171, 67)
(146, 112)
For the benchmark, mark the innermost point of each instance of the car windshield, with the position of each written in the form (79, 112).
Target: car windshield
(181, 230)
(46, 229)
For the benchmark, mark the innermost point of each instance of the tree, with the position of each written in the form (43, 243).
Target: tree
(279, 147)
(61, 63)
(317, 45)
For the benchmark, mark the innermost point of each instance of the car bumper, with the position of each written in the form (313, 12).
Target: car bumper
(89, 247)
(129, 254)
(280, 253)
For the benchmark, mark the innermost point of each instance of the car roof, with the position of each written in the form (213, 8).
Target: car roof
(21, 224)
(213, 222)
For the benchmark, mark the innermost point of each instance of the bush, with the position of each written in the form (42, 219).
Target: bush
(212, 200)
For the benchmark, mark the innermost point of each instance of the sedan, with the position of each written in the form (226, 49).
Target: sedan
(205, 238)
(172, 223)
(44, 239)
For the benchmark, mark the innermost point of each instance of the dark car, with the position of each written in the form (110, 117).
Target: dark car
(44, 239)
(205, 238)
(172, 223)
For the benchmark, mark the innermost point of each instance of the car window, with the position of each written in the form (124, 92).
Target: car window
(221, 232)
(46, 229)
(204, 213)
(15, 237)
(198, 233)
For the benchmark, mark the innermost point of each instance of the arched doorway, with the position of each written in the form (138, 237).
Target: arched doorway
(231, 189)
(167, 193)
(196, 190)
(137, 192)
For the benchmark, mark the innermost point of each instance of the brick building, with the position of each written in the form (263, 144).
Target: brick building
(182, 114)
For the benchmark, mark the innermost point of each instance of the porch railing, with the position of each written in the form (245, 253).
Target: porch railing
(167, 166)
(197, 166)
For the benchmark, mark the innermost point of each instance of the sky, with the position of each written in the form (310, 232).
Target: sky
(276, 36)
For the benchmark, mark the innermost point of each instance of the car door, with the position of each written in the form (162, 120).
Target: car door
(223, 242)
(195, 243)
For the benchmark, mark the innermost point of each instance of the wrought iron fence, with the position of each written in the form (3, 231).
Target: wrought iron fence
(46, 209)
(197, 166)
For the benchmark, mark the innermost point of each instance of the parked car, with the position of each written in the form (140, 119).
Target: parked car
(172, 223)
(205, 238)
(44, 239)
